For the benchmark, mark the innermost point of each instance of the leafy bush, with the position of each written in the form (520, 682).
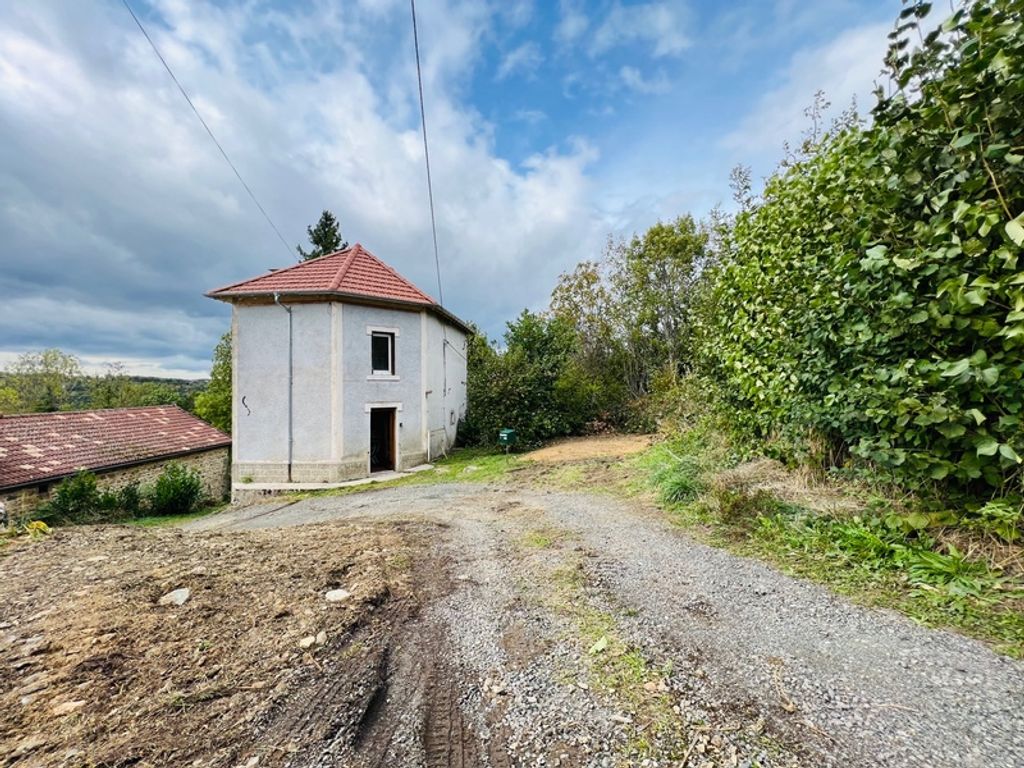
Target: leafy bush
(999, 517)
(873, 302)
(533, 386)
(178, 491)
(79, 499)
(75, 499)
(128, 500)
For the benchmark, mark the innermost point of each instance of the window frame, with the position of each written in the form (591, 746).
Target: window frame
(390, 337)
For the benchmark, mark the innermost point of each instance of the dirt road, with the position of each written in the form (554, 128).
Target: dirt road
(468, 625)
(575, 629)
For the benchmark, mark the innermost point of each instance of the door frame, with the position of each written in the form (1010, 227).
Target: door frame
(396, 409)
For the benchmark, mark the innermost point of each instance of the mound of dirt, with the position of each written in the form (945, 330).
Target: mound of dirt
(597, 447)
(123, 646)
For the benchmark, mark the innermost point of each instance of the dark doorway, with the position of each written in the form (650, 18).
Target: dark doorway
(382, 439)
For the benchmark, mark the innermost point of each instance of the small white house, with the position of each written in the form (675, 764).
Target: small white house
(341, 367)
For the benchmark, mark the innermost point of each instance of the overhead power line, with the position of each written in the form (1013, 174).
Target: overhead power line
(208, 130)
(426, 151)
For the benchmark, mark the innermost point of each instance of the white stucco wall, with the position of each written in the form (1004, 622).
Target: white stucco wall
(260, 401)
(334, 388)
(363, 390)
(445, 400)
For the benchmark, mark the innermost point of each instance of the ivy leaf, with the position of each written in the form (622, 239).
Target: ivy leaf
(963, 141)
(957, 368)
(987, 446)
(952, 430)
(917, 521)
(1008, 453)
(1015, 230)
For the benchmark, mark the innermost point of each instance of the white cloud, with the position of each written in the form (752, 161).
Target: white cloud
(660, 25)
(572, 23)
(635, 80)
(522, 60)
(845, 68)
(118, 213)
(530, 116)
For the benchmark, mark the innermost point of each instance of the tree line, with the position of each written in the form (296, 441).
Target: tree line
(53, 380)
(866, 307)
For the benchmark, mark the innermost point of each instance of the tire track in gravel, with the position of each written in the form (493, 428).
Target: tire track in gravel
(489, 673)
(840, 684)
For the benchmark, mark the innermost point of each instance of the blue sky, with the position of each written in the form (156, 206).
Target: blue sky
(552, 124)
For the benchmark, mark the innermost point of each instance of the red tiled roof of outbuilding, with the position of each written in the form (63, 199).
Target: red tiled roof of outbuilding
(36, 447)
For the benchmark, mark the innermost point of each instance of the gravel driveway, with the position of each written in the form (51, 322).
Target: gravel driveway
(585, 630)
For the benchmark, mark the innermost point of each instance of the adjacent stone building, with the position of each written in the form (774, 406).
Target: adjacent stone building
(341, 367)
(118, 445)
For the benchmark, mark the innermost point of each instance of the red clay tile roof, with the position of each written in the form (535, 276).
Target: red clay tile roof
(352, 272)
(36, 447)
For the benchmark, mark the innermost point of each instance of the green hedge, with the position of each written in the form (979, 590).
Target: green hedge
(873, 301)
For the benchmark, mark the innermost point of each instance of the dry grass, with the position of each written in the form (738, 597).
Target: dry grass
(998, 555)
(802, 488)
(597, 447)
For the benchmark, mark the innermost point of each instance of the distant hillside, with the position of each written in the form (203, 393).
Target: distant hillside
(147, 390)
(85, 392)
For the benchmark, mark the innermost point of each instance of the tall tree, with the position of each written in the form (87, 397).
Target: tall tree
(631, 309)
(116, 389)
(325, 237)
(43, 380)
(213, 404)
(655, 275)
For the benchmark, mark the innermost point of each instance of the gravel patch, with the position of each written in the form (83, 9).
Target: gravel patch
(766, 669)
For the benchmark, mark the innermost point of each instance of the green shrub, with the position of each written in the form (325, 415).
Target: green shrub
(999, 517)
(75, 499)
(532, 386)
(178, 491)
(741, 508)
(129, 500)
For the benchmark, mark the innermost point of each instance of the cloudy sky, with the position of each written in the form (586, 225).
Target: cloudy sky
(552, 124)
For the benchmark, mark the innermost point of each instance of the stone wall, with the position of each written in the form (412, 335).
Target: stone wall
(213, 467)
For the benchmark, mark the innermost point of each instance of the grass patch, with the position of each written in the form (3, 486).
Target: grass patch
(463, 465)
(540, 539)
(883, 555)
(864, 559)
(160, 521)
(620, 671)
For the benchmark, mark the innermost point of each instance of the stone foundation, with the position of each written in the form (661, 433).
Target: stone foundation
(314, 471)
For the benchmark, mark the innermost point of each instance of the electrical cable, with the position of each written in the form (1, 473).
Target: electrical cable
(207, 127)
(426, 151)
(433, 223)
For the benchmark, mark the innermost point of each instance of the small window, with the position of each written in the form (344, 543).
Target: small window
(382, 353)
